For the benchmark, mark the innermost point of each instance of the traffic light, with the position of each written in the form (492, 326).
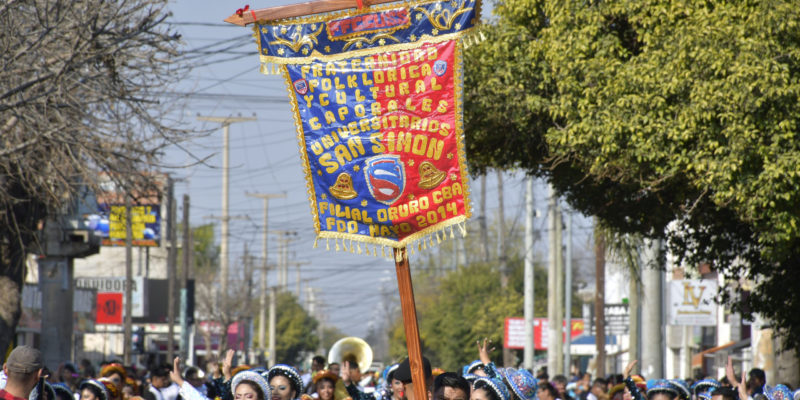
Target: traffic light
(138, 340)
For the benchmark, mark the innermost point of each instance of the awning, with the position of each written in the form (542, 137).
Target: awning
(697, 359)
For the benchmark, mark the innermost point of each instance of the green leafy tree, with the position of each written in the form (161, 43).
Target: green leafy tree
(650, 113)
(295, 330)
(467, 304)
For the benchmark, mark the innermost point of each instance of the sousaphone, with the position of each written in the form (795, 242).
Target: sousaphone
(351, 349)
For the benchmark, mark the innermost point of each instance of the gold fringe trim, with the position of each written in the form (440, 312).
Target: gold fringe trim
(317, 56)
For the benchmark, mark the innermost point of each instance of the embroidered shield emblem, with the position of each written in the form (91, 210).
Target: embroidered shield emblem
(386, 177)
(440, 67)
(301, 86)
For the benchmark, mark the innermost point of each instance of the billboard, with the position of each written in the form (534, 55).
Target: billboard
(109, 221)
(515, 332)
(691, 302)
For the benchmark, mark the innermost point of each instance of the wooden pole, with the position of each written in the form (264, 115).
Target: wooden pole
(297, 10)
(410, 322)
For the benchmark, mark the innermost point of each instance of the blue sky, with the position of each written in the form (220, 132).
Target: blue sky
(265, 158)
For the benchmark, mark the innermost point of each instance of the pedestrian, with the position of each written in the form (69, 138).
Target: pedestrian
(486, 388)
(93, 389)
(23, 368)
(161, 388)
(547, 391)
(521, 382)
(245, 385)
(451, 386)
(403, 374)
(317, 365)
(324, 385)
(392, 388)
(756, 382)
(284, 382)
(115, 372)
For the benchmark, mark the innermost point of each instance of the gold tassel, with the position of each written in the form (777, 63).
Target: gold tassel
(352, 248)
(438, 238)
(431, 238)
(419, 246)
(337, 244)
(424, 244)
(366, 249)
(275, 70)
(451, 232)
(412, 250)
(375, 251)
(383, 251)
(315, 241)
(328, 244)
(463, 228)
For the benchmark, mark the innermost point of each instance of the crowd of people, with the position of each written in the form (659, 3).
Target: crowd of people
(25, 377)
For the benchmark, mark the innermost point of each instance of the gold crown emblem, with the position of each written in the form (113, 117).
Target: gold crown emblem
(429, 176)
(343, 188)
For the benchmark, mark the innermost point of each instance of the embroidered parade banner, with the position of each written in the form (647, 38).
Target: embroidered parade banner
(376, 97)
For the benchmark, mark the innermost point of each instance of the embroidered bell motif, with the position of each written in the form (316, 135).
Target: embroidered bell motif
(429, 176)
(343, 188)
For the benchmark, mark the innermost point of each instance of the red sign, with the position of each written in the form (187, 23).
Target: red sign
(109, 308)
(515, 332)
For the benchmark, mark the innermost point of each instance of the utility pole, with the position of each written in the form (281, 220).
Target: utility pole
(553, 331)
(483, 222)
(508, 354)
(298, 264)
(273, 294)
(529, 218)
(172, 254)
(262, 312)
(568, 298)
(652, 321)
(284, 237)
(634, 305)
(187, 262)
(224, 235)
(127, 341)
(600, 302)
(559, 292)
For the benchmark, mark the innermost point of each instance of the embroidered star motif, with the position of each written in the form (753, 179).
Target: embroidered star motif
(413, 38)
(364, 203)
(319, 172)
(313, 27)
(419, 17)
(283, 30)
(280, 51)
(411, 196)
(454, 4)
(410, 163)
(382, 42)
(324, 196)
(356, 168)
(435, 31)
(437, 7)
(265, 51)
(264, 30)
(327, 49)
(358, 45)
(449, 156)
(453, 177)
(458, 25)
(305, 51)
